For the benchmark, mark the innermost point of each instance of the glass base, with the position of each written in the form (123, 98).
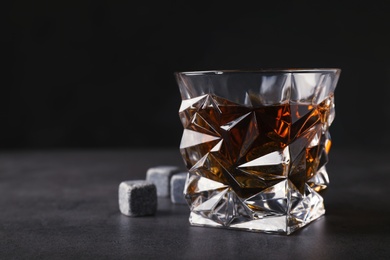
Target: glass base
(265, 212)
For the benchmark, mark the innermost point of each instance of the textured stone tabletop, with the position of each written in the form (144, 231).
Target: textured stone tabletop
(64, 204)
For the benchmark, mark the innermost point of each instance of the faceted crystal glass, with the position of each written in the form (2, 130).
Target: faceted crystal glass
(256, 145)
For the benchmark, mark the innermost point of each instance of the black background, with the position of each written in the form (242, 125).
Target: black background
(98, 74)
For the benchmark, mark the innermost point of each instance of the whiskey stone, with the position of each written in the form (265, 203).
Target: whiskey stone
(137, 198)
(177, 188)
(161, 177)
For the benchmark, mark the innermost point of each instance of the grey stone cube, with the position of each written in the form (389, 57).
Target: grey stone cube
(178, 182)
(137, 198)
(161, 177)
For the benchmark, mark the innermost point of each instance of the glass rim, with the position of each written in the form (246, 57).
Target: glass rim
(260, 71)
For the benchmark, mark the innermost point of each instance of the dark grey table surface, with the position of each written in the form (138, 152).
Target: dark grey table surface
(63, 205)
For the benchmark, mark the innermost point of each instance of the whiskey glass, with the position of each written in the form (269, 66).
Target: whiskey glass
(256, 145)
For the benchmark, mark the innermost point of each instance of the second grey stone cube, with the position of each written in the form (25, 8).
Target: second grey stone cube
(161, 177)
